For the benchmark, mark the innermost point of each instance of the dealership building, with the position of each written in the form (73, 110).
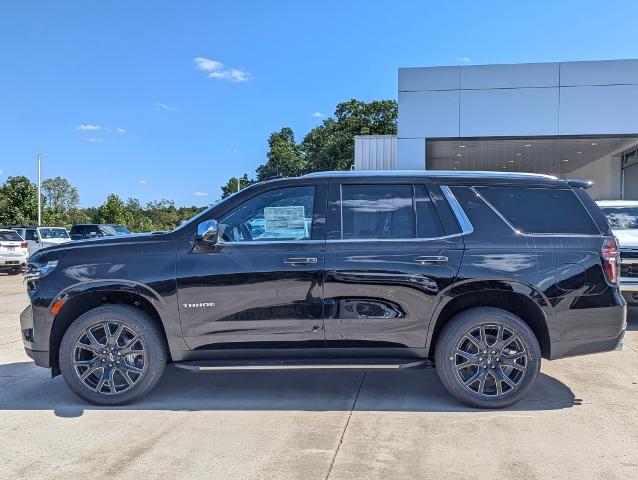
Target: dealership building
(568, 119)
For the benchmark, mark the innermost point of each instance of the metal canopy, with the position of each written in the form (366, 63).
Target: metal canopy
(549, 155)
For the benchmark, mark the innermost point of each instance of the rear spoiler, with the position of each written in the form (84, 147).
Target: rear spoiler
(579, 183)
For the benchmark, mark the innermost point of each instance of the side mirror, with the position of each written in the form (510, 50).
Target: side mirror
(207, 232)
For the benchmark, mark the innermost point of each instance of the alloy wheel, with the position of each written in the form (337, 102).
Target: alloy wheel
(109, 358)
(490, 360)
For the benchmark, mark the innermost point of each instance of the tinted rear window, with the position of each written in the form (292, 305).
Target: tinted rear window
(10, 237)
(377, 211)
(541, 210)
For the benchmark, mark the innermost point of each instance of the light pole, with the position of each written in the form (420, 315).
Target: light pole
(40, 155)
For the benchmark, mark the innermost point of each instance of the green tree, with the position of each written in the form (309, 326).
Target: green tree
(233, 184)
(18, 202)
(59, 199)
(284, 156)
(114, 211)
(330, 146)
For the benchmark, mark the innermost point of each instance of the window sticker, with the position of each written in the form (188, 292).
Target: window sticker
(289, 219)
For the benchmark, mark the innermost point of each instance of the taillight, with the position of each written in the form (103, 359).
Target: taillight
(611, 260)
(24, 245)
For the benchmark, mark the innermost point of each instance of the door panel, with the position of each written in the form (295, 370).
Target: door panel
(380, 292)
(261, 285)
(247, 297)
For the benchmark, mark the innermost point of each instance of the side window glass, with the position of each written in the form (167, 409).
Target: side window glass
(377, 211)
(283, 214)
(30, 234)
(428, 223)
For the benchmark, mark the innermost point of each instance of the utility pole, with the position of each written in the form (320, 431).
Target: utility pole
(40, 155)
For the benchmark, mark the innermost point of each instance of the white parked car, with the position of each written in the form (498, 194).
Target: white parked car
(40, 237)
(13, 252)
(622, 216)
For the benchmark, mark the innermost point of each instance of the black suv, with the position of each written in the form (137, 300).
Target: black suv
(481, 273)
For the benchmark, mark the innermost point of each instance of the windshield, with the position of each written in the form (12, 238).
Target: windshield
(120, 229)
(622, 218)
(53, 233)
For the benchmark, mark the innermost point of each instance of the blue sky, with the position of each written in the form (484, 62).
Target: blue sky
(169, 99)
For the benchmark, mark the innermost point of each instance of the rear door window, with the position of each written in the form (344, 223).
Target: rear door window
(541, 210)
(29, 234)
(377, 212)
(428, 223)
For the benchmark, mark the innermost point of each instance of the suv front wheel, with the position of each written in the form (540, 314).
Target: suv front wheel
(487, 357)
(112, 355)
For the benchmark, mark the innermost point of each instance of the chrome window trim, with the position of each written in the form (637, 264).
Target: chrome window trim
(461, 217)
(270, 242)
(395, 240)
(519, 232)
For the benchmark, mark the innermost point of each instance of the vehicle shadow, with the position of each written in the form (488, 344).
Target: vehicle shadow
(23, 386)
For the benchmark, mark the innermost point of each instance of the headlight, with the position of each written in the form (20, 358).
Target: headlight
(39, 270)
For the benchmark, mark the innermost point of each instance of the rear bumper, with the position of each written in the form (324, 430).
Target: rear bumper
(572, 348)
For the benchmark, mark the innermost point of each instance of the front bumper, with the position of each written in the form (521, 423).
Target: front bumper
(38, 351)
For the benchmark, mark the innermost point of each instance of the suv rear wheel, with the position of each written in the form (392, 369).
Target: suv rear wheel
(112, 355)
(487, 357)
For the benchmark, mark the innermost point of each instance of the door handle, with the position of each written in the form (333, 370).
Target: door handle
(300, 261)
(430, 260)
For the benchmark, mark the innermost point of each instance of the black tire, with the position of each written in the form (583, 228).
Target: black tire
(134, 373)
(487, 371)
(14, 270)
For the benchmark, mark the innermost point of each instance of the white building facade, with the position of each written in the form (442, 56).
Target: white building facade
(569, 119)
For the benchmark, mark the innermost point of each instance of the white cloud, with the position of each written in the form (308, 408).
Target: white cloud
(95, 139)
(318, 115)
(464, 59)
(88, 126)
(163, 106)
(219, 71)
(120, 130)
(0, 172)
(200, 194)
(207, 65)
(143, 182)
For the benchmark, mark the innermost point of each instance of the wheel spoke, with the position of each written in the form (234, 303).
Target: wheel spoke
(128, 348)
(471, 359)
(131, 368)
(126, 376)
(506, 379)
(112, 339)
(473, 340)
(513, 339)
(497, 382)
(93, 341)
(498, 343)
(87, 373)
(482, 378)
(111, 380)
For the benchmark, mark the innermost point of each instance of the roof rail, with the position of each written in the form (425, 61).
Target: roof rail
(579, 183)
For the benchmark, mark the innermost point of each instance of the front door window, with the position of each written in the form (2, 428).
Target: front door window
(284, 214)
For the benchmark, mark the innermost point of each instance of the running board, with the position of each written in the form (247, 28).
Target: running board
(314, 364)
